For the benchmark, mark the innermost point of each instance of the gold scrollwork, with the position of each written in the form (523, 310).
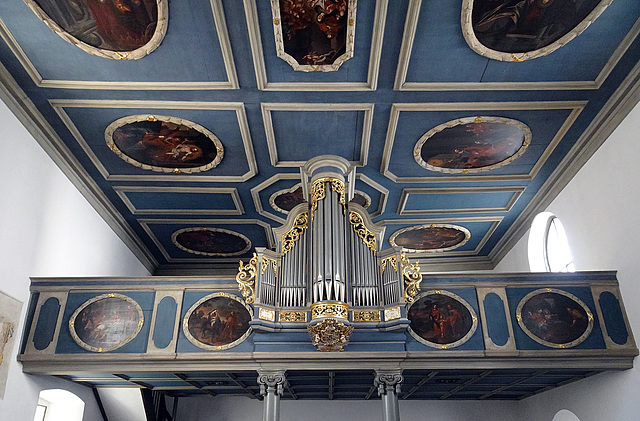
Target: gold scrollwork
(412, 278)
(393, 262)
(330, 335)
(299, 225)
(366, 316)
(265, 264)
(246, 279)
(329, 309)
(318, 191)
(292, 316)
(367, 237)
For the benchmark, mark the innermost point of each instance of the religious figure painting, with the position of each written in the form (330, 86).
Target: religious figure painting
(217, 322)
(118, 29)
(314, 35)
(285, 200)
(441, 319)
(516, 30)
(554, 318)
(434, 237)
(164, 144)
(472, 144)
(211, 241)
(106, 322)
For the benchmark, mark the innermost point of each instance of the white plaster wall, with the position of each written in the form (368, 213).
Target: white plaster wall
(227, 408)
(46, 229)
(600, 211)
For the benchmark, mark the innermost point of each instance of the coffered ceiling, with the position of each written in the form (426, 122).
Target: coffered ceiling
(420, 108)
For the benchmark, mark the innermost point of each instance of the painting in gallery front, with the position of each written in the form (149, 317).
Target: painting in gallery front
(470, 146)
(429, 237)
(165, 144)
(314, 31)
(211, 241)
(114, 25)
(218, 322)
(519, 26)
(440, 319)
(555, 318)
(106, 323)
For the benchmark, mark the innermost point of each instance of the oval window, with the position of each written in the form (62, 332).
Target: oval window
(548, 245)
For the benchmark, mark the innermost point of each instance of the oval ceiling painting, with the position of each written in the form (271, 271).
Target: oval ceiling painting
(314, 35)
(211, 241)
(285, 200)
(441, 319)
(554, 318)
(434, 237)
(472, 144)
(164, 144)
(361, 199)
(106, 322)
(217, 322)
(517, 30)
(117, 29)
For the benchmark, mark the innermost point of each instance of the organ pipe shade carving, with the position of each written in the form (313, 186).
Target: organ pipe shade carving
(392, 261)
(246, 279)
(318, 191)
(367, 237)
(412, 278)
(290, 238)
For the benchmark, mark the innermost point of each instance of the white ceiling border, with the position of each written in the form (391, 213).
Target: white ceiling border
(255, 194)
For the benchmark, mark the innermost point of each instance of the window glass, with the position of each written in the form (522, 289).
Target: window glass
(548, 246)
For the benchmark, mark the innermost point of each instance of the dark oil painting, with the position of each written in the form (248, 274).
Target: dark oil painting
(360, 200)
(212, 241)
(114, 25)
(430, 238)
(164, 144)
(440, 319)
(472, 145)
(218, 321)
(107, 323)
(554, 318)
(289, 200)
(519, 26)
(314, 31)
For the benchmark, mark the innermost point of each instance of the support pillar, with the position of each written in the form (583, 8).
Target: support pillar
(271, 386)
(388, 383)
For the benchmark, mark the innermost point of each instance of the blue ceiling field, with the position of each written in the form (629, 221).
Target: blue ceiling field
(411, 72)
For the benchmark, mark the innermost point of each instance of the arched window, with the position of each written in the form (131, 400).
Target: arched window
(548, 245)
(59, 405)
(565, 415)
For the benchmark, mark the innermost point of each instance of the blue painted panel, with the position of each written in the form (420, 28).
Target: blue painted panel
(302, 135)
(524, 342)
(497, 327)
(439, 40)
(181, 201)
(613, 318)
(165, 320)
(200, 57)
(352, 70)
(46, 324)
(430, 201)
(66, 344)
(222, 123)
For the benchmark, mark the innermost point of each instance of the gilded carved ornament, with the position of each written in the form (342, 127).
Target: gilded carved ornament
(266, 261)
(289, 239)
(318, 191)
(367, 237)
(246, 279)
(412, 278)
(330, 335)
(392, 261)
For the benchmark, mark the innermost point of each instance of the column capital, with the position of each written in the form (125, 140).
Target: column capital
(271, 381)
(388, 381)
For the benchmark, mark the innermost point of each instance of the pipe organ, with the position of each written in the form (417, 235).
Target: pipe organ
(327, 259)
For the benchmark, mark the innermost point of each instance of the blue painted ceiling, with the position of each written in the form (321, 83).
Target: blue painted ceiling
(411, 72)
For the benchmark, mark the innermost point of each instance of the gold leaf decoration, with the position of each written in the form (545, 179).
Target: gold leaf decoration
(246, 279)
